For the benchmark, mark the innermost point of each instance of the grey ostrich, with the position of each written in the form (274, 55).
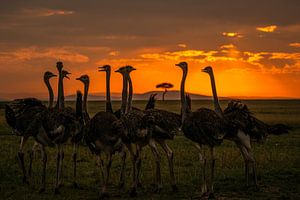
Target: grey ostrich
(244, 127)
(204, 127)
(19, 115)
(104, 136)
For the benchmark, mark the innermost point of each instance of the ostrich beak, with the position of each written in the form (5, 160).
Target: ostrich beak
(78, 79)
(177, 65)
(101, 69)
(67, 75)
(53, 75)
(117, 70)
(133, 68)
(203, 70)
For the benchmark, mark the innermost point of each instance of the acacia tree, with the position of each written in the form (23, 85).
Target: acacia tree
(164, 86)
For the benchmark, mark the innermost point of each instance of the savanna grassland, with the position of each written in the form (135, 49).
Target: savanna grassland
(278, 162)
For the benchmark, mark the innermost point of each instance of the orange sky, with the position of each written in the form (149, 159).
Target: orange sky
(254, 56)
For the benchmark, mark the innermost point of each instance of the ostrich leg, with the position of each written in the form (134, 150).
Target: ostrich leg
(31, 156)
(44, 161)
(100, 164)
(75, 149)
(138, 165)
(21, 158)
(107, 171)
(202, 159)
(169, 153)
(213, 160)
(58, 172)
(133, 157)
(157, 160)
(61, 176)
(122, 174)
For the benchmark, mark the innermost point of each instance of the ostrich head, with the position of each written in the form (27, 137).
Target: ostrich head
(48, 75)
(105, 68)
(182, 65)
(208, 70)
(121, 70)
(59, 65)
(65, 74)
(84, 79)
(129, 68)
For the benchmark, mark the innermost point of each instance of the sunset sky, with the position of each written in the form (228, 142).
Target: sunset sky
(252, 45)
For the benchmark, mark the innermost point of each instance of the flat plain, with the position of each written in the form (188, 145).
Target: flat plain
(278, 162)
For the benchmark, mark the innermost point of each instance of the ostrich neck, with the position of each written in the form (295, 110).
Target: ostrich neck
(86, 90)
(184, 107)
(129, 103)
(108, 100)
(50, 91)
(215, 96)
(60, 91)
(124, 95)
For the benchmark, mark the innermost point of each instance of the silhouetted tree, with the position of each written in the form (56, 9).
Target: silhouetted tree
(164, 86)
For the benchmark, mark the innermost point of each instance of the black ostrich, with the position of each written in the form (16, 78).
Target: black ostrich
(19, 115)
(104, 136)
(243, 127)
(137, 130)
(204, 127)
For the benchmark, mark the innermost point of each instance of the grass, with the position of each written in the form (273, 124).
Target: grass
(277, 162)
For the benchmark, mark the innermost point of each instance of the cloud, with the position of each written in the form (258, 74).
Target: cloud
(182, 45)
(45, 12)
(267, 29)
(232, 34)
(114, 53)
(31, 53)
(295, 44)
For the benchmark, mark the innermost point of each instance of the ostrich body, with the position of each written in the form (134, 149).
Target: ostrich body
(19, 115)
(104, 136)
(204, 127)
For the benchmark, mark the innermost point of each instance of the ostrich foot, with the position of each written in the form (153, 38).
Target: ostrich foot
(25, 180)
(211, 196)
(139, 185)
(133, 192)
(104, 195)
(121, 185)
(42, 190)
(157, 189)
(174, 188)
(56, 191)
(75, 185)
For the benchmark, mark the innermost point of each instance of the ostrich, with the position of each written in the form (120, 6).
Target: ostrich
(137, 130)
(104, 136)
(19, 115)
(204, 127)
(244, 127)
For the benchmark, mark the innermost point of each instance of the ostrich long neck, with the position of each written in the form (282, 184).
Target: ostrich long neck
(60, 92)
(129, 103)
(217, 106)
(184, 107)
(86, 90)
(50, 90)
(108, 100)
(124, 95)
